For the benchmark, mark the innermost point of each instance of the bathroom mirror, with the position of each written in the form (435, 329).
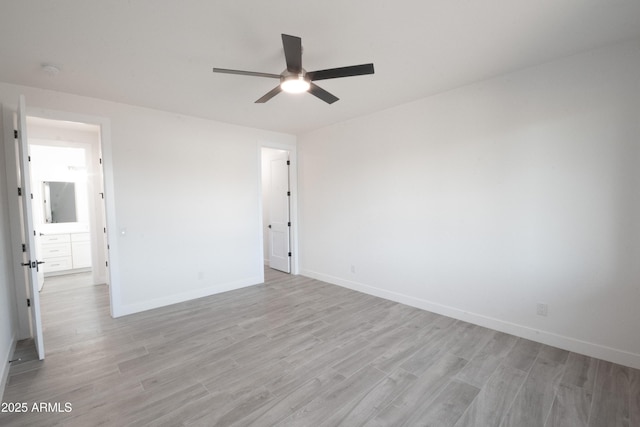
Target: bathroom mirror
(59, 202)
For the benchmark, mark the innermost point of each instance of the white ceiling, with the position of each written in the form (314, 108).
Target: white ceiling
(159, 54)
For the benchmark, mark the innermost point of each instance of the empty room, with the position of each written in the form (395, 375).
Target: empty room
(410, 213)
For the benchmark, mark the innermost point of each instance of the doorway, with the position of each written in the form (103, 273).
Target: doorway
(68, 203)
(276, 205)
(62, 133)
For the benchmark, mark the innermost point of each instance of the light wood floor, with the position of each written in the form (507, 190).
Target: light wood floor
(296, 351)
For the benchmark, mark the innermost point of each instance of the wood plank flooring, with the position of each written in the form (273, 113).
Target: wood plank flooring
(298, 352)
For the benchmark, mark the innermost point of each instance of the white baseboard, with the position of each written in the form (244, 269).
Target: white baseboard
(549, 338)
(4, 370)
(126, 309)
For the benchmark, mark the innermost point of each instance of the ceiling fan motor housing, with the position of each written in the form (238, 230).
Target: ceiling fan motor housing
(295, 82)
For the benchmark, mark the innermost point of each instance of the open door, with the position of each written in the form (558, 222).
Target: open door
(30, 262)
(279, 214)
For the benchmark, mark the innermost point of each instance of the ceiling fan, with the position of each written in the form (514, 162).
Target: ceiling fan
(296, 79)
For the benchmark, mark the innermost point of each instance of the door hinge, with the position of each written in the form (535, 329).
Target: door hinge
(29, 158)
(31, 196)
(288, 193)
(106, 263)
(288, 163)
(15, 133)
(28, 302)
(101, 195)
(108, 247)
(289, 224)
(19, 191)
(24, 247)
(289, 253)
(104, 229)
(100, 160)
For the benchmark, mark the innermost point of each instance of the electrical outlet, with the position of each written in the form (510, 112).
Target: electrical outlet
(542, 309)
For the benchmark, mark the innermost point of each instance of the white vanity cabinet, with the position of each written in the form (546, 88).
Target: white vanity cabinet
(56, 252)
(64, 252)
(80, 250)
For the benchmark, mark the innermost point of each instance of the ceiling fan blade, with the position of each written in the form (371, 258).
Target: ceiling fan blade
(292, 53)
(246, 73)
(322, 94)
(267, 96)
(334, 73)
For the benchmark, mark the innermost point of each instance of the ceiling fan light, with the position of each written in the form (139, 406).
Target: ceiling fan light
(295, 84)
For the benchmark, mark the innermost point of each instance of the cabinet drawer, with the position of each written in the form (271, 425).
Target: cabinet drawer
(54, 238)
(57, 264)
(54, 250)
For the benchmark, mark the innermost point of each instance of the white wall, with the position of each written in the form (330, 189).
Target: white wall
(186, 195)
(481, 202)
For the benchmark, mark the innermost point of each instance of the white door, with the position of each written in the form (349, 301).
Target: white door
(279, 219)
(100, 259)
(38, 245)
(31, 263)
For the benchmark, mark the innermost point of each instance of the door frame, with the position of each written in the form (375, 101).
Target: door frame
(293, 207)
(113, 277)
